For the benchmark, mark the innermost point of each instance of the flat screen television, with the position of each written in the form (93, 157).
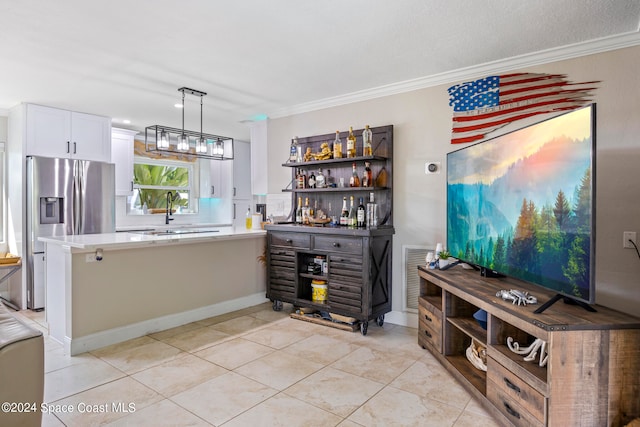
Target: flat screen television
(522, 205)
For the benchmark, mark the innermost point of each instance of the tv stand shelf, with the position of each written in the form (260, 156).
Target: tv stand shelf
(591, 378)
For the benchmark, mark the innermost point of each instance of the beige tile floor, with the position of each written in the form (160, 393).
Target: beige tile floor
(256, 367)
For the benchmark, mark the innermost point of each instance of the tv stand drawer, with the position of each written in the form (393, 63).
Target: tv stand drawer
(430, 325)
(515, 388)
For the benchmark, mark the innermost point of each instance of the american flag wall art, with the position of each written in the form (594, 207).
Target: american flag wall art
(487, 104)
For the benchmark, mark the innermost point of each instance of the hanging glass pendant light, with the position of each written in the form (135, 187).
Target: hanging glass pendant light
(163, 141)
(201, 143)
(183, 141)
(215, 147)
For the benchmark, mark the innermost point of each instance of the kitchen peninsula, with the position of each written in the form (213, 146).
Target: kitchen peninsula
(107, 288)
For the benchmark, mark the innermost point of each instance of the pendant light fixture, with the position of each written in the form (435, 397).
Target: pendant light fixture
(183, 141)
(159, 138)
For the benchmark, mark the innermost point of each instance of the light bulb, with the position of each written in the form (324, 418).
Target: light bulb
(201, 145)
(163, 142)
(183, 143)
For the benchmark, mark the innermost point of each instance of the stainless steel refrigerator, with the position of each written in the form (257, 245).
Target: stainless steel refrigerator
(64, 197)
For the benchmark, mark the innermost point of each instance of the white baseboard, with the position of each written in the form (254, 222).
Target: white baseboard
(402, 318)
(112, 336)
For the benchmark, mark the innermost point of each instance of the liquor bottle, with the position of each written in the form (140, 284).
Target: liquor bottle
(299, 211)
(311, 182)
(337, 146)
(372, 212)
(355, 180)
(367, 176)
(329, 179)
(247, 221)
(353, 215)
(300, 179)
(344, 215)
(293, 152)
(361, 215)
(320, 180)
(306, 211)
(351, 144)
(367, 137)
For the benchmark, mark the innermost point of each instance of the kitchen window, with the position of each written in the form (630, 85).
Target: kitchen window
(153, 178)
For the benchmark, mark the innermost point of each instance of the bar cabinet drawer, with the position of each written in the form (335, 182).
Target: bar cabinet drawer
(292, 240)
(349, 245)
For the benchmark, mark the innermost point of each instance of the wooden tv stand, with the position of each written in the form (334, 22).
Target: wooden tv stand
(592, 377)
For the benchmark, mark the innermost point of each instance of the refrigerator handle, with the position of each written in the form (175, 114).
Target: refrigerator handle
(74, 147)
(68, 146)
(77, 198)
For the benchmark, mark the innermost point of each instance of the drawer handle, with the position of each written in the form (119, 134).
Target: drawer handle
(289, 241)
(511, 411)
(336, 244)
(511, 385)
(428, 318)
(427, 333)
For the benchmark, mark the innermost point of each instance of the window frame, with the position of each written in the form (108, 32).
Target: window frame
(193, 187)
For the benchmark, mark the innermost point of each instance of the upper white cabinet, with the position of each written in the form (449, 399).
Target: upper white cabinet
(241, 170)
(52, 132)
(216, 178)
(122, 155)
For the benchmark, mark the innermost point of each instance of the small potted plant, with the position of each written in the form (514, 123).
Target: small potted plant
(443, 258)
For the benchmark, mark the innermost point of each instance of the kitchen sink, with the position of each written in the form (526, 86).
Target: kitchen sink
(176, 231)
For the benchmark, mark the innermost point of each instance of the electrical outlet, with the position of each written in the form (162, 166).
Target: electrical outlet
(90, 257)
(626, 236)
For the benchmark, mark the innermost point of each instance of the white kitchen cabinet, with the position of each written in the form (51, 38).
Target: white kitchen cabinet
(122, 156)
(239, 213)
(216, 178)
(53, 132)
(241, 170)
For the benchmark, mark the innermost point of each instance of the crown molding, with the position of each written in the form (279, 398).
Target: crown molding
(517, 62)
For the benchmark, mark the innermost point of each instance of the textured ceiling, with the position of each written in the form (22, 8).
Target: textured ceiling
(126, 59)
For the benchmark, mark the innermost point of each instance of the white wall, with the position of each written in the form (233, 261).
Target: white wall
(3, 129)
(422, 132)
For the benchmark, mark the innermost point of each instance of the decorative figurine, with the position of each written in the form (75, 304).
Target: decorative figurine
(519, 297)
(325, 152)
(308, 156)
(531, 351)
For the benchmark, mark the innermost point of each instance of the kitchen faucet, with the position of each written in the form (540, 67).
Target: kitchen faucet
(169, 206)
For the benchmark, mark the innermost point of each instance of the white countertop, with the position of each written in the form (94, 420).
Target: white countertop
(127, 240)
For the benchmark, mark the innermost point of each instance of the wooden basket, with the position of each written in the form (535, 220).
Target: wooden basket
(7, 258)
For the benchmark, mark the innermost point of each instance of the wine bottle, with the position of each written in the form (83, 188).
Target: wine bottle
(311, 182)
(361, 214)
(299, 211)
(337, 146)
(367, 137)
(355, 180)
(320, 180)
(353, 215)
(344, 215)
(351, 144)
(367, 176)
